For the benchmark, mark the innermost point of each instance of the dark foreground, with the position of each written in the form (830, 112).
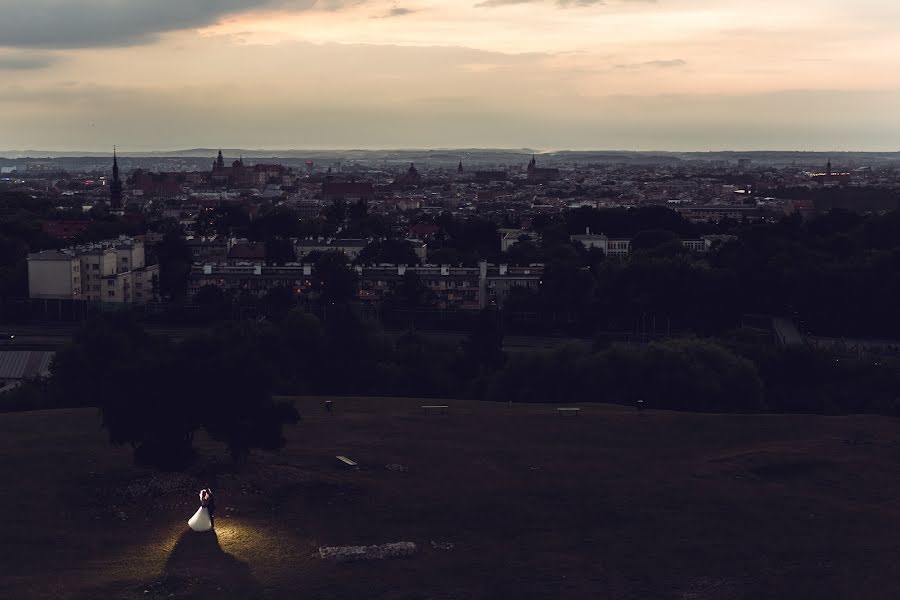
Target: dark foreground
(502, 502)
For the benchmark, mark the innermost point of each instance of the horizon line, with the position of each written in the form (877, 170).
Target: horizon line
(138, 152)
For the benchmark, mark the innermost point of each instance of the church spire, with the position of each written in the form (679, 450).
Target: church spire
(115, 187)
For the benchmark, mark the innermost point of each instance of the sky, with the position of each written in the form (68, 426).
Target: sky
(543, 74)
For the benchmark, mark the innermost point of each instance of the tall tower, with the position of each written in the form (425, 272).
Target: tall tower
(459, 169)
(220, 160)
(115, 188)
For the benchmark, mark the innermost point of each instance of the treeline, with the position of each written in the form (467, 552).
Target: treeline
(835, 275)
(225, 379)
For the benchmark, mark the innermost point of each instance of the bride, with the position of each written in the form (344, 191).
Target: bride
(202, 519)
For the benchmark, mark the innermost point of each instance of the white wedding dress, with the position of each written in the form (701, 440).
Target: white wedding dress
(200, 521)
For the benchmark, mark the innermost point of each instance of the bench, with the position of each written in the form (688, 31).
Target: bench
(442, 409)
(568, 412)
(347, 462)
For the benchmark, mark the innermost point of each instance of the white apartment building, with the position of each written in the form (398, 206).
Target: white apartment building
(610, 247)
(110, 272)
(54, 274)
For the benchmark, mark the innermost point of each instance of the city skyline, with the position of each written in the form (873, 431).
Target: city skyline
(679, 75)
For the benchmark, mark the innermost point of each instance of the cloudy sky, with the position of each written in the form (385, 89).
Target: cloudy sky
(545, 74)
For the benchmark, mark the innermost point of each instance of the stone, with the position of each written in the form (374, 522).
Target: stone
(379, 552)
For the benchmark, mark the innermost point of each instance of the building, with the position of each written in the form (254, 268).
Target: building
(499, 280)
(109, 272)
(611, 247)
(347, 191)
(156, 185)
(54, 274)
(411, 178)
(420, 248)
(540, 175)
(17, 366)
(485, 177)
(511, 237)
(830, 178)
(246, 252)
(64, 230)
(255, 280)
(308, 209)
(239, 175)
(266, 174)
(715, 213)
(209, 250)
(694, 245)
(423, 231)
(452, 288)
(618, 247)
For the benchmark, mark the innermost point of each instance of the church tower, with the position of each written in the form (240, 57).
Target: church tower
(220, 160)
(115, 187)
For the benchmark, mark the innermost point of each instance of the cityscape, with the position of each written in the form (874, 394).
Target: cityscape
(421, 300)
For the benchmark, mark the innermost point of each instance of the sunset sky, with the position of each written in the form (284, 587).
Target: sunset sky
(544, 74)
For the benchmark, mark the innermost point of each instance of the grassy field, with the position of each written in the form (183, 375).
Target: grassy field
(609, 504)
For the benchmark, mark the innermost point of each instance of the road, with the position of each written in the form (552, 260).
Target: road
(52, 336)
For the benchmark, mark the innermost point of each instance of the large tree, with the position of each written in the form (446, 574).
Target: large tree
(335, 281)
(155, 394)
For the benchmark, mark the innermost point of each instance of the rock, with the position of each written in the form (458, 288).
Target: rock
(380, 552)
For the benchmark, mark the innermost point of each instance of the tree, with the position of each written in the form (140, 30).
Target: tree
(174, 266)
(336, 213)
(395, 252)
(155, 394)
(700, 376)
(278, 302)
(482, 351)
(280, 251)
(215, 302)
(335, 281)
(410, 292)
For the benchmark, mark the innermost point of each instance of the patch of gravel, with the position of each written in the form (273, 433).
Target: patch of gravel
(160, 485)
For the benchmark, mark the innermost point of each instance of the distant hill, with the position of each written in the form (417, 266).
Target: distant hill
(446, 156)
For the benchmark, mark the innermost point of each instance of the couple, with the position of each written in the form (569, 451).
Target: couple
(205, 517)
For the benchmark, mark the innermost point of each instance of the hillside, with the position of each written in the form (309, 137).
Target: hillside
(521, 503)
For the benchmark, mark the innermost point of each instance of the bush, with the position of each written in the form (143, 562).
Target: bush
(678, 375)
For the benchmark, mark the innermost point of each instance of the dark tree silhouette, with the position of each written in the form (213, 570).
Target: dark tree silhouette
(155, 394)
(335, 281)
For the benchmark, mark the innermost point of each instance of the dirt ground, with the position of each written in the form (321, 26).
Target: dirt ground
(502, 501)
